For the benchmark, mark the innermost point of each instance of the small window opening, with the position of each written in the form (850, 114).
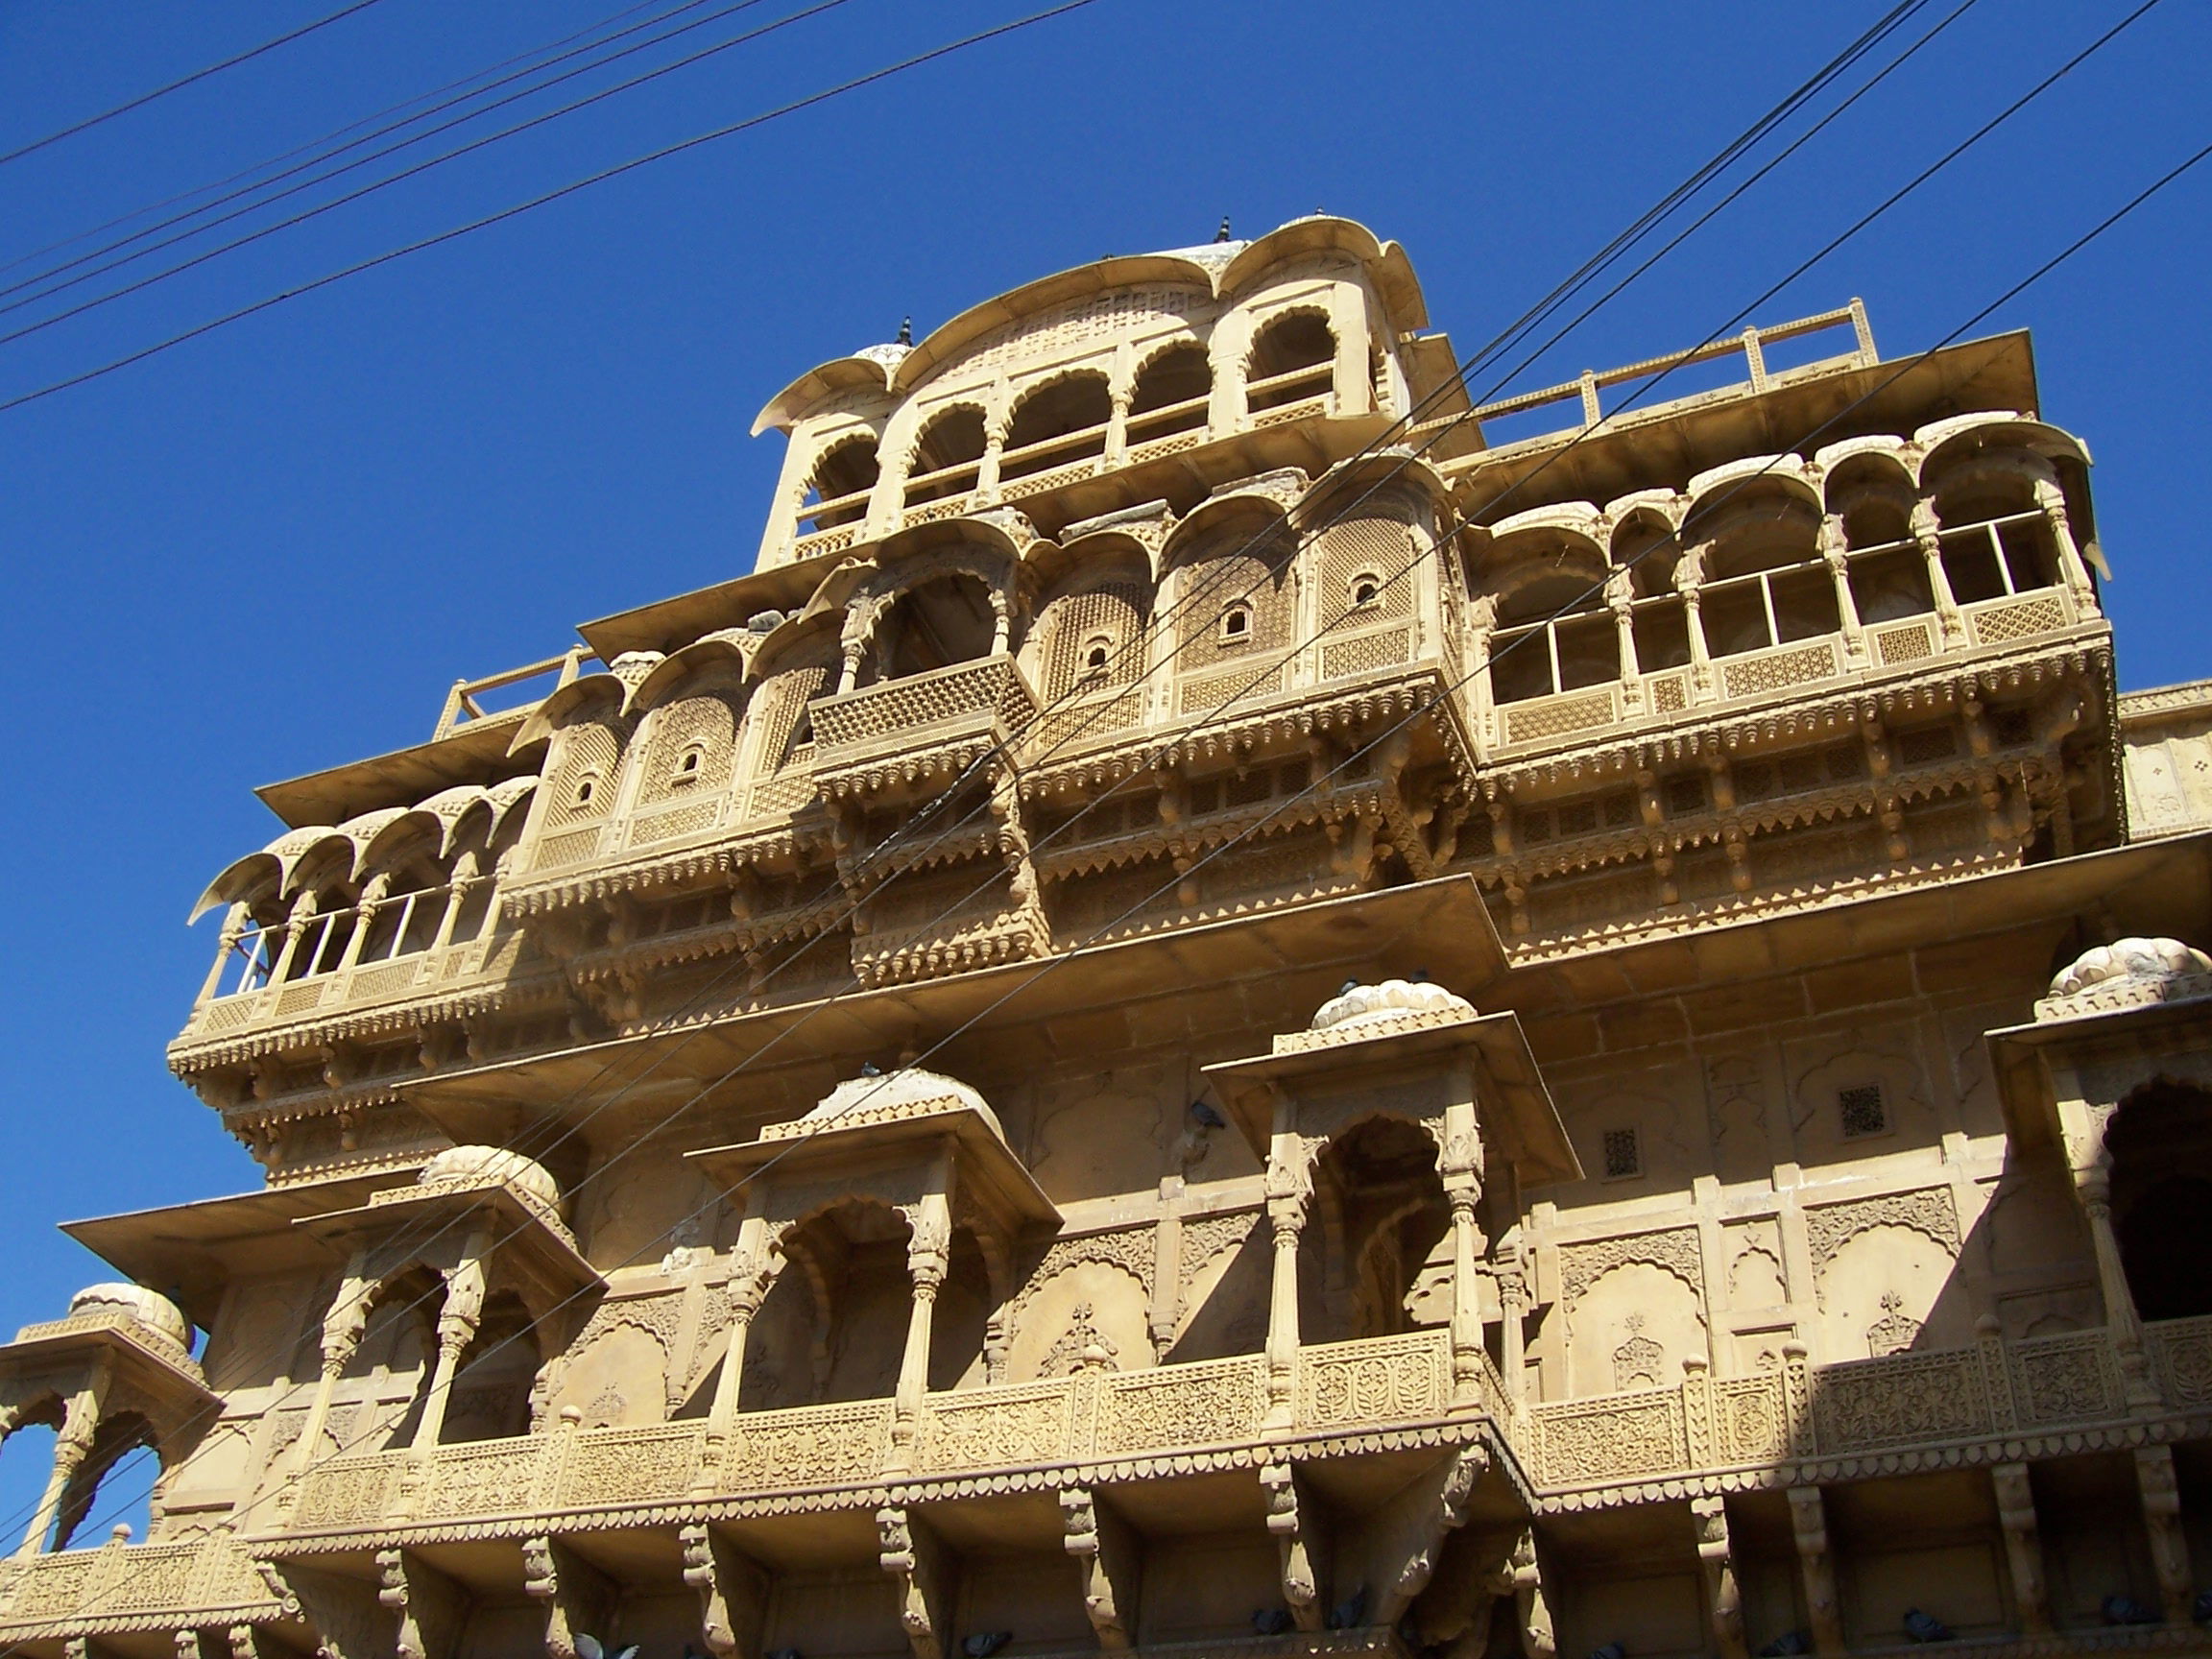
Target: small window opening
(1623, 1154)
(1366, 591)
(1094, 655)
(586, 788)
(1237, 623)
(1864, 1111)
(688, 767)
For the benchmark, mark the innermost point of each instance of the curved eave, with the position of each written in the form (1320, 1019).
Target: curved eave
(1386, 263)
(946, 343)
(838, 375)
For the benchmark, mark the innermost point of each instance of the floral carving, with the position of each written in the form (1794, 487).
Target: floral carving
(1895, 1330)
(1639, 1360)
(1132, 1249)
(1675, 1251)
(1928, 1210)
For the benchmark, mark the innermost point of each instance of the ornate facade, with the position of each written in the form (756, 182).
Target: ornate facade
(1227, 1008)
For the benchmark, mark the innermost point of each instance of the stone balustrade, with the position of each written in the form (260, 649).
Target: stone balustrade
(123, 1586)
(1835, 1421)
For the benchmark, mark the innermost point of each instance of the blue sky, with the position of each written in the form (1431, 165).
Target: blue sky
(272, 549)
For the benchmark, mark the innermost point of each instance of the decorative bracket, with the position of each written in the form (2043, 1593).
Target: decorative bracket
(1723, 1599)
(431, 1606)
(2162, 1520)
(1538, 1641)
(1111, 1560)
(577, 1595)
(2023, 1550)
(733, 1591)
(1300, 1522)
(918, 1564)
(1405, 1535)
(1809, 1525)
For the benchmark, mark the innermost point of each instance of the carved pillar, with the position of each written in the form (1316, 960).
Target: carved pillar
(296, 922)
(72, 1445)
(1693, 625)
(577, 1596)
(2122, 1324)
(363, 913)
(1289, 1189)
(1723, 1599)
(1001, 623)
(1809, 1524)
(234, 922)
(1117, 429)
(343, 1325)
(1461, 1166)
(1110, 1559)
(465, 879)
(1304, 1540)
(1834, 546)
(1537, 1638)
(2162, 1521)
(2023, 1550)
(1925, 532)
(1619, 596)
(2072, 570)
(458, 1318)
(753, 1267)
(929, 1253)
(733, 1592)
(910, 1553)
(431, 1607)
(1510, 1267)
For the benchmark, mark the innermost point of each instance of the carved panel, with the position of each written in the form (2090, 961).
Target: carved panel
(1611, 1439)
(630, 1465)
(2183, 1351)
(347, 1492)
(1381, 1380)
(1007, 1427)
(1900, 1400)
(492, 1478)
(1205, 1404)
(1928, 1210)
(807, 1446)
(1675, 1251)
(2069, 1379)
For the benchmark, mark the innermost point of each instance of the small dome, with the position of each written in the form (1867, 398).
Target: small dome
(484, 1165)
(869, 1098)
(1359, 1006)
(136, 1303)
(2146, 962)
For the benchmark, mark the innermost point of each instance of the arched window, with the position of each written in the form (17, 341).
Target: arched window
(1765, 583)
(946, 456)
(1293, 358)
(1554, 633)
(1172, 394)
(2162, 1145)
(933, 624)
(1237, 622)
(1382, 1220)
(1090, 635)
(838, 492)
(1061, 422)
(1888, 573)
(1996, 538)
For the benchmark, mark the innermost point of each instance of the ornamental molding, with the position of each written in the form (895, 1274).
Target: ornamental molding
(1135, 1250)
(1676, 1251)
(1931, 1211)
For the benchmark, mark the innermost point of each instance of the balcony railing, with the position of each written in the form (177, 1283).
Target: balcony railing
(1360, 1386)
(125, 1585)
(492, 957)
(1990, 1393)
(921, 723)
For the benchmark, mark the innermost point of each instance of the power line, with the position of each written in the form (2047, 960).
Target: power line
(146, 98)
(341, 132)
(370, 188)
(570, 189)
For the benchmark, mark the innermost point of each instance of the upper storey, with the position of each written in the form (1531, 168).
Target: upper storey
(1091, 373)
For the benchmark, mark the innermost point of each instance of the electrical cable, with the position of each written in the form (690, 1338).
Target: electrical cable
(256, 234)
(146, 98)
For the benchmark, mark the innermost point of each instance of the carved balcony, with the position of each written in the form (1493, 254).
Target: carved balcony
(918, 730)
(1373, 1392)
(121, 1588)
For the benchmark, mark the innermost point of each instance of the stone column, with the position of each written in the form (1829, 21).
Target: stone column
(1833, 549)
(1689, 580)
(1950, 624)
(234, 922)
(1460, 1166)
(342, 1327)
(1117, 429)
(363, 913)
(457, 891)
(754, 1265)
(1809, 1525)
(458, 1319)
(928, 1254)
(72, 1445)
(1512, 1314)
(2023, 1550)
(2072, 570)
(2161, 1495)
(296, 922)
(1716, 1565)
(2122, 1326)
(1289, 1193)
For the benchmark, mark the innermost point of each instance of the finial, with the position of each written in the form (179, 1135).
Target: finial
(1223, 234)
(907, 331)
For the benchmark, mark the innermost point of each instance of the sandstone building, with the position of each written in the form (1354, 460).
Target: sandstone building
(1228, 1008)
